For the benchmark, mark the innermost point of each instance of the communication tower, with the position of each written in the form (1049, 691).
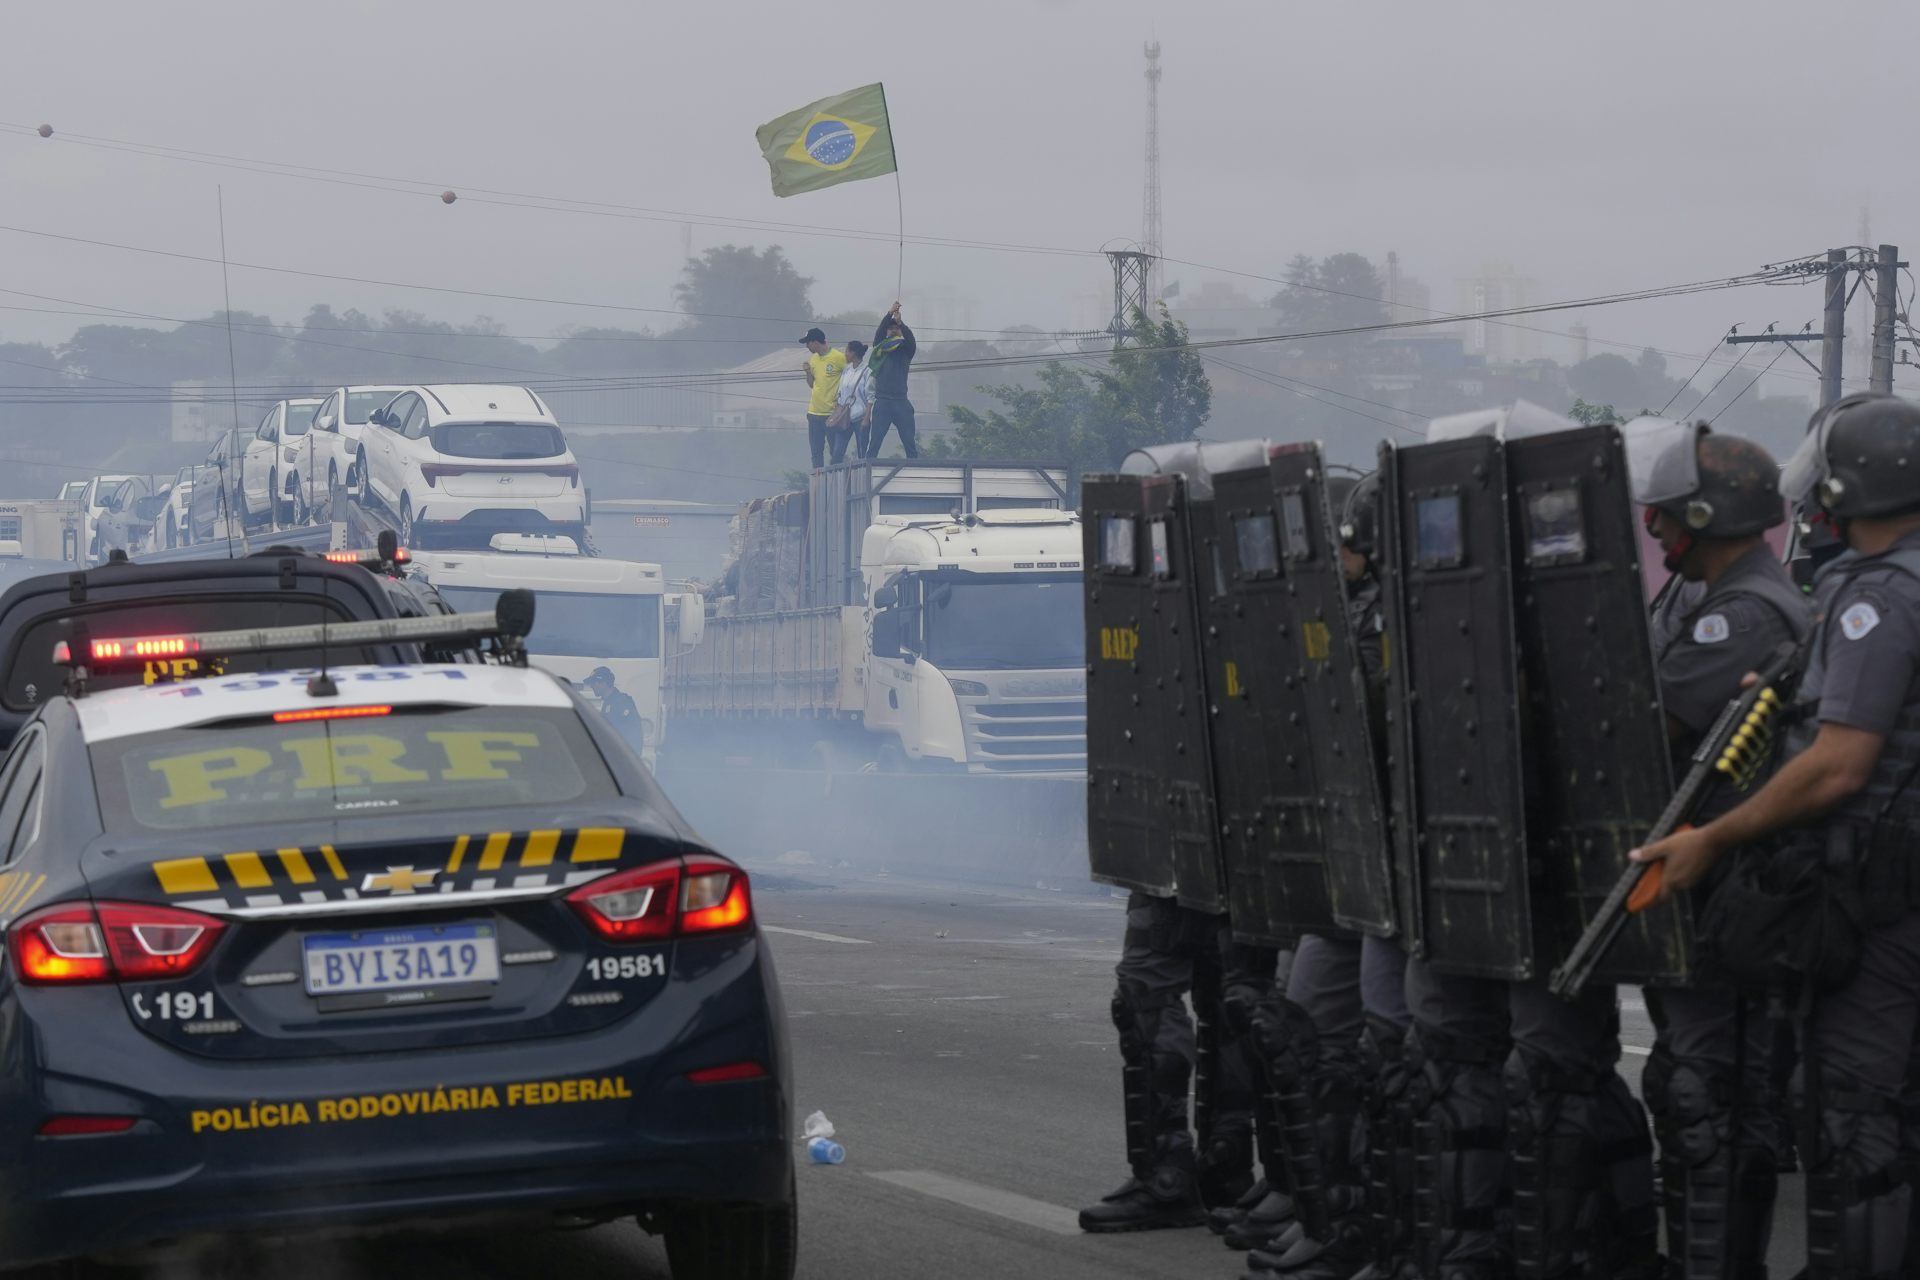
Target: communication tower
(1150, 201)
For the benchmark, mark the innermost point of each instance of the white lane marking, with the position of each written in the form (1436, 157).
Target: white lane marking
(939, 998)
(817, 937)
(1636, 1050)
(1001, 1204)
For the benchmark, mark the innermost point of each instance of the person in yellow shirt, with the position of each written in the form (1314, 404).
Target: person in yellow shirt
(823, 369)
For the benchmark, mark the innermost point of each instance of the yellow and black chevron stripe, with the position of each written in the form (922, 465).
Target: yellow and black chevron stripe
(17, 889)
(256, 877)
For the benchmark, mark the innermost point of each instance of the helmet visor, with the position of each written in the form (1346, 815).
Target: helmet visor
(1663, 459)
(1808, 465)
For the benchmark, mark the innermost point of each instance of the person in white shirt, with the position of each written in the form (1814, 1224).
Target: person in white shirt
(853, 406)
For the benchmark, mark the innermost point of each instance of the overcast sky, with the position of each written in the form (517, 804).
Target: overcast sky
(1594, 147)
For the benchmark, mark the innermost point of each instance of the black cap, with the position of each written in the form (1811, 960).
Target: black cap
(813, 335)
(599, 673)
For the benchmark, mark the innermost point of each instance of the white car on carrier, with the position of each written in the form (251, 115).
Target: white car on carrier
(460, 463)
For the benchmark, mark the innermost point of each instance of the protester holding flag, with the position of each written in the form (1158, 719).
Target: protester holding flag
(890, 358)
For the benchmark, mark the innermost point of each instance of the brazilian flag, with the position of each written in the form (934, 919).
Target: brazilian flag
(840, 139)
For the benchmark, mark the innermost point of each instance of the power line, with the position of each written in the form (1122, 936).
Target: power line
(1696, 372)
(522, 199)
(1743, 391)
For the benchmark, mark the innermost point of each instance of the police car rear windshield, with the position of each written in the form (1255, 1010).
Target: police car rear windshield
(32, 676)
(414, 760)
(501, 441)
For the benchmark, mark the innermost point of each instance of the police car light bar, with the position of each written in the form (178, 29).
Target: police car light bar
(511, 619)
(370, 559)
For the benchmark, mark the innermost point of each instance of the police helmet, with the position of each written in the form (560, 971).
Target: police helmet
(1360, 516)
(1861, 457)
(1715, 486)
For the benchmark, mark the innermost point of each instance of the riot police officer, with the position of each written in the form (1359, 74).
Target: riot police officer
(1709, 499)
(1840, 890)
(1335, 1038)
(618, 707)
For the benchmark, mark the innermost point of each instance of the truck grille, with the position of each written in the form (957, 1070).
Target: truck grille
(1025, 735)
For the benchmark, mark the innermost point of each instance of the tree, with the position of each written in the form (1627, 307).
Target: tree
(1592, 414)
(736, 298)
(1149, 394)
(1341, 292)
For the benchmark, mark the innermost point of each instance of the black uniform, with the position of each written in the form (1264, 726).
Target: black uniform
(625, 715)
(1864, 672)
(1171, 953)
(1708, 1083)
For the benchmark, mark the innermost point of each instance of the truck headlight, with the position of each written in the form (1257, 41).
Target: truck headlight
(969, 688)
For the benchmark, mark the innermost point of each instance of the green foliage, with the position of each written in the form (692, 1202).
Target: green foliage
(1341, 292)
(1590, 414)
(1150, 394)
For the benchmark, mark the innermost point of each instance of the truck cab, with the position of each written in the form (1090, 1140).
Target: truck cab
(589, 611)
(976, 659)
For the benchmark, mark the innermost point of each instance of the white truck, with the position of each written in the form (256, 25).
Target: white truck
(589, 612)
(936, 628)
(43, 529)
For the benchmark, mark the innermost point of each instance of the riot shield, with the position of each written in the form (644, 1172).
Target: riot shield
(1596, 734)
(1461, 849)
(1272, 819)
(1336, 733)
(1150, 823)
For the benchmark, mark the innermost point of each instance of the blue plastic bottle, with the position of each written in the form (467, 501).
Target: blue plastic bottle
(826, 1151)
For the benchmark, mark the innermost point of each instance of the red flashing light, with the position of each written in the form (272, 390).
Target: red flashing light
(731, 1073)
(86, 1126)
(71, 943)
(330, 713)
(368, 558)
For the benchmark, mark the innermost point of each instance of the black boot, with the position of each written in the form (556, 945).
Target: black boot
(1170, 1198)
(1218, 1220)
(1265, 1224)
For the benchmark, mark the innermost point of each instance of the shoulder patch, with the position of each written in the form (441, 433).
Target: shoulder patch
(1711, 629)
(1858, 620)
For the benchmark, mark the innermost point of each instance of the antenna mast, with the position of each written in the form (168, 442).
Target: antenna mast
(1150, 201)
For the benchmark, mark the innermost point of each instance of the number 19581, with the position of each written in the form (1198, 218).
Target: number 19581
(613, 968)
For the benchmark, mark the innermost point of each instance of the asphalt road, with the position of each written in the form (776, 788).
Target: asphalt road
(958, 1039)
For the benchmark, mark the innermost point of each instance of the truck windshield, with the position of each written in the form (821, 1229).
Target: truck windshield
(578, 624)
(1004, 622)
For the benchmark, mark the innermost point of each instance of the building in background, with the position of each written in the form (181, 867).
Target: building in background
(1498, 287)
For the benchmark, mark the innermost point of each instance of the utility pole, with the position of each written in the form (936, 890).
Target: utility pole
(1886, 285)
(1131, 271)
(1833, 329)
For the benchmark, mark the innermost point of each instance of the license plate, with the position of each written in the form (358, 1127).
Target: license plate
(400, 959)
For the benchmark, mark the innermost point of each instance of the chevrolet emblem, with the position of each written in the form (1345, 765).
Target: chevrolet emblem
(397, 880)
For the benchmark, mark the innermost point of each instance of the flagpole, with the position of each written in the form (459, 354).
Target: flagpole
(899, 201)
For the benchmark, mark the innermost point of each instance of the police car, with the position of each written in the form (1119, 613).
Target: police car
(368, 946)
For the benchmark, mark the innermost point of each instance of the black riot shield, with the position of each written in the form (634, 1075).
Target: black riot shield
(1461, 849)
(1150, 823)
(1272, 814)
(1333, 688)
(1596, 734)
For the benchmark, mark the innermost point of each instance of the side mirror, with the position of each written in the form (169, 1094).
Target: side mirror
(886, 597)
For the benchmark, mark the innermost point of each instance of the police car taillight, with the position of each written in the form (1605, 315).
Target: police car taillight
(714, 898)
(110, 941)
(662, 901)
(631, 906)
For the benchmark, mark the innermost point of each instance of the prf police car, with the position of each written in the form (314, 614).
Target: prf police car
(371, 945)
